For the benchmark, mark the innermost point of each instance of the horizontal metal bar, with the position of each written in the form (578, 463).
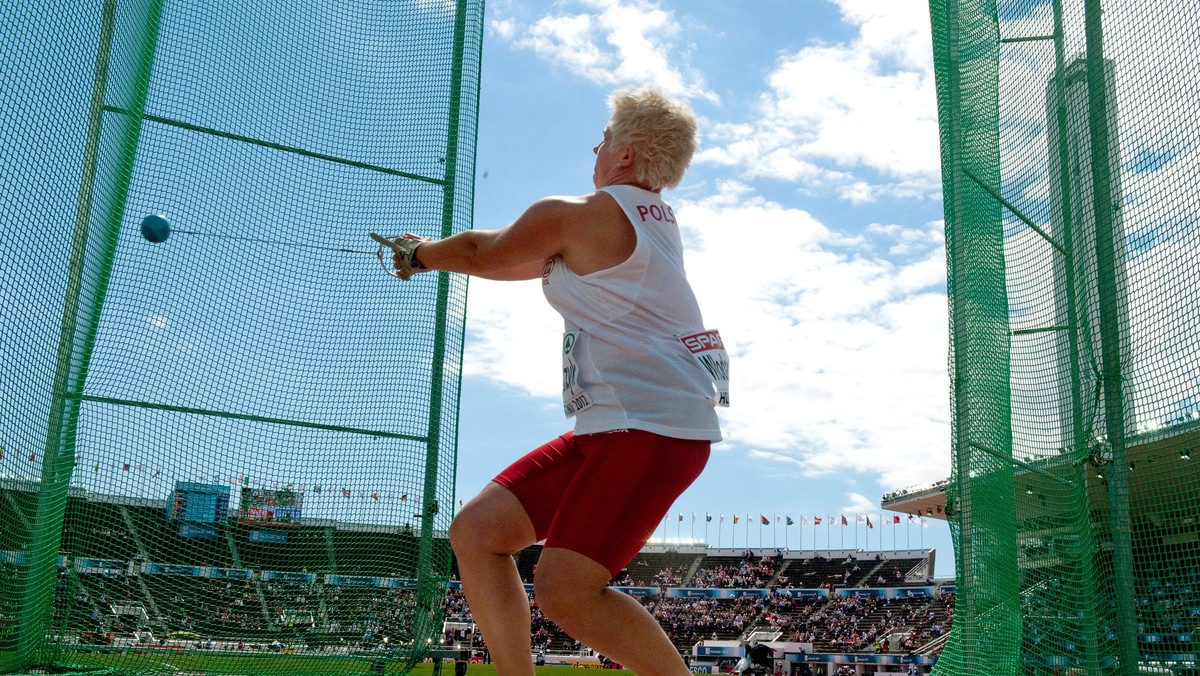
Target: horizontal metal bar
(1044, 329)
(279, 146)
(1025, 465)
(1029, 38)
(246, 417)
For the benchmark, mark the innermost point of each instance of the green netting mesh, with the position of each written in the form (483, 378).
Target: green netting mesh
(231, 451)
(1071, 160)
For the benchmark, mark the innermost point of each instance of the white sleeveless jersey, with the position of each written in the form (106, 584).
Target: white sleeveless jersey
(624, 363)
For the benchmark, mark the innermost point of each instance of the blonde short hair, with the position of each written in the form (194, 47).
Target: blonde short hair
(661, 131)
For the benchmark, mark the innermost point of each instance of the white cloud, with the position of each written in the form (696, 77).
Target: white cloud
(504, 29)
(612, 42)
(859, 118)
(839, 358)
(859, 504)
(911, 240)
(515, 337)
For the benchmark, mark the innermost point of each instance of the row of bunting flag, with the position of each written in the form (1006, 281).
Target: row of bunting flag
(242, 480)
(246, 480)
(764, 520)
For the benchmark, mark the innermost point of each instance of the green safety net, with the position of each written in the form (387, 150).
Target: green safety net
(227, 437)
(1070, 166)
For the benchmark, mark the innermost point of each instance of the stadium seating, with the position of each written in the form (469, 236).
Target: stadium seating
(334, 583)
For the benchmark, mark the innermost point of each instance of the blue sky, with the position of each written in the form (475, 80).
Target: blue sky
(813, 221)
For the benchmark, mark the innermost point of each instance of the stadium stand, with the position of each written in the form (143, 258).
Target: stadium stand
(133, 574)
(687, 621)
(659, 569)
(742, 572)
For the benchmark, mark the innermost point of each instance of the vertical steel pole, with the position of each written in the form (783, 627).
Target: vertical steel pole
(101, 206)
(1100, 108)
(430, 567)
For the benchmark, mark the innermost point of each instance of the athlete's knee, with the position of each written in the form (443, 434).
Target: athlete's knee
(470, 532)
(493, 523)
(461, 533)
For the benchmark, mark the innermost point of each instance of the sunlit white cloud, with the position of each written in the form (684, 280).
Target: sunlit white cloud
(611, 42)
(859, 503)
(857, 119)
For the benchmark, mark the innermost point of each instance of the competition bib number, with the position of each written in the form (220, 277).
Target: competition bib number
(708, 350)
(574, 398)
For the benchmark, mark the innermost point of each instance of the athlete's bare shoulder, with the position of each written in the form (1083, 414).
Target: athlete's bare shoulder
(596, 232)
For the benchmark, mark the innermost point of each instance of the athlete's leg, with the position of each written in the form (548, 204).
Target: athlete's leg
(627, 482)
(572, 590)
(510, 514)
(484, 535)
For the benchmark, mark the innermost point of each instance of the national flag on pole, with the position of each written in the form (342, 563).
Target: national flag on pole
(735, 519)
(375, 496)
(817, 520)
(345, 492)
(896, 519)
(124, 467)
(869, 524)
(722, 518)
(844, 521)
(681, 516)
(910, 517)
(707, 517)
(788, 521)
(765, 520)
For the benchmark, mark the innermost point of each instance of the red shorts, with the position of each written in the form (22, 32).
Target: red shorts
(603, 495)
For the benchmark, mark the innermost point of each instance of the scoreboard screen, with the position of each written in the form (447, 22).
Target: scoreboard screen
(198, 503)
(266, 507)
